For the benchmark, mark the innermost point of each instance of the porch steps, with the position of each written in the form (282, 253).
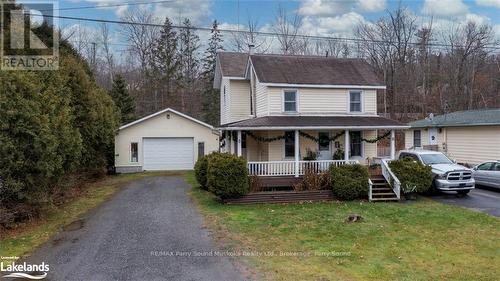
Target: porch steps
(381, 190)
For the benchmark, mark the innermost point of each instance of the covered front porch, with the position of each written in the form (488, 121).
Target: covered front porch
(292, 145)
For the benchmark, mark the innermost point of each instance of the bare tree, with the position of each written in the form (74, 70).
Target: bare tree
(105, 40)
(250, 36)
(287, 29)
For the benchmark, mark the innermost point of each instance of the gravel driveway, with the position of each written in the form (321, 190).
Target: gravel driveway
(149, 231)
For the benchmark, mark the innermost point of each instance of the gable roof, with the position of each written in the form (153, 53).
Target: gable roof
(233, 64)
(483, 117)
(163, 111)
(313, 70)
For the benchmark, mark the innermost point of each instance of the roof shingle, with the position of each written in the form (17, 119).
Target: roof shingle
(461, 118)
(315, 121)
(233, 64)
(314, 70)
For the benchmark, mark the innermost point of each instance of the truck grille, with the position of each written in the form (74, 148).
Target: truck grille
(456, 176)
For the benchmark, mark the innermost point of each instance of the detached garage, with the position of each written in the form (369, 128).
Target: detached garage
(165, 140)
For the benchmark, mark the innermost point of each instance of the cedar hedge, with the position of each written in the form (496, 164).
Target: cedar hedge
(227, 175)
(413, 175)
(349, 181)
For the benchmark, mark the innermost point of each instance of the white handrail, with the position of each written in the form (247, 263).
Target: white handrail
(391, 178)
(370, 185)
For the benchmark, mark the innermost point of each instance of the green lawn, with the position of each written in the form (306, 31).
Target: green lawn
(23, 240)
(424, 240)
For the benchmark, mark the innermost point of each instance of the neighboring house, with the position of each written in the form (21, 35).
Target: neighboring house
(276, 108)
(469, 137)
(165, 140)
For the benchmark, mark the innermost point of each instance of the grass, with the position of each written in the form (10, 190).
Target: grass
(423, 240)
(23, 240)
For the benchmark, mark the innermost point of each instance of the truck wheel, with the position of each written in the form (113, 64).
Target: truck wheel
(463, 192)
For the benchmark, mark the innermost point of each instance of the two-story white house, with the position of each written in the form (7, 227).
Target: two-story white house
(277, 110)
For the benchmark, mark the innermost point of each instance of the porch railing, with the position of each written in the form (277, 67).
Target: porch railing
(390, 177)
(287, 168)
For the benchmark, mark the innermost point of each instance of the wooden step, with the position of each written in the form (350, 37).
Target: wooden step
(385, 199)
(381, 188)
(384, 193)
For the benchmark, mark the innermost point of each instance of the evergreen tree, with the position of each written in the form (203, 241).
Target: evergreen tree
(123, 100)
(189, 64)
(211, 97)
(165, 64)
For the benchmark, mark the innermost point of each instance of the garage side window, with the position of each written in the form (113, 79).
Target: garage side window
(134, 152)
(201, 149)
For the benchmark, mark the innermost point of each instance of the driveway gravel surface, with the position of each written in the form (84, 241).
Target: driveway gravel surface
(150, 230)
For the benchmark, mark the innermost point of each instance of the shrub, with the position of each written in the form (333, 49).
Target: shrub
(413, 175)
(200, 171)
(227, 175)
(349, 181)
(313, 181)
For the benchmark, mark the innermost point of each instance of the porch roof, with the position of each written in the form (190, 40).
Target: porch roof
(314, 122)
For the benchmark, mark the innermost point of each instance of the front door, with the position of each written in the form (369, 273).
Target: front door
(324, 148)
(433, 136)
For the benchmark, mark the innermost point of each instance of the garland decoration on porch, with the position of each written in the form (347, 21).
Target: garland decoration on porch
(264, 139)
(313, 138)
(388, 133)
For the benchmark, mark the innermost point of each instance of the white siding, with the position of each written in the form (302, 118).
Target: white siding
(240, 100)
(321, 101)
(261, 99)
(161, 127)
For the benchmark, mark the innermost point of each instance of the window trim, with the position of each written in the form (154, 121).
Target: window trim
(419, 138)
(361, 102)
(284, 145)
(296, 101)
(130, 152)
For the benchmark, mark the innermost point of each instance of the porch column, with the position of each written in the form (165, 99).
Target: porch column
(347, 145)
(297, 150)
(393, 144)
(238, 140)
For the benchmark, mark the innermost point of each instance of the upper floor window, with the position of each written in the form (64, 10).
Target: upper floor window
(355, 101)
(290, 100)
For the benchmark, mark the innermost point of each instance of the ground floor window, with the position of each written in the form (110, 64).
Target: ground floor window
(417, 138)
(134, 152)
(289, 144)
(356, 148)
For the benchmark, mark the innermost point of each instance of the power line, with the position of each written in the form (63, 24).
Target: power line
(108, 6)
(313, 37)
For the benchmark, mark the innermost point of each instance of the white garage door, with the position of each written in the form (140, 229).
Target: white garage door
(168, 154)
